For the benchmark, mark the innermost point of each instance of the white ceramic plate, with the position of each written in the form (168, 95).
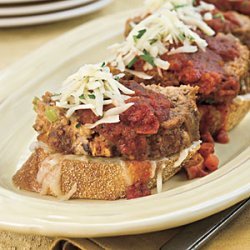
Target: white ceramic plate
(181, 202)
(25, 10)
(7, 22)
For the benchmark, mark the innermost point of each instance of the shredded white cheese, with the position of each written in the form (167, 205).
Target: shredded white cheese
(182, 157)
(93, 87)
(169, 29)
(245, 97)
(186, 11)
(49, 177)
(184, 153)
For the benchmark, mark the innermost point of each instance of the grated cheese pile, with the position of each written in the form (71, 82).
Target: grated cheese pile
(191, 15)
(93, 87)
(169, 29)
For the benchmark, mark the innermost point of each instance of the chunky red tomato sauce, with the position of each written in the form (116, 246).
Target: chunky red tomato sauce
(203, 162)
(204, 69)
(213, 122)
(129, 136)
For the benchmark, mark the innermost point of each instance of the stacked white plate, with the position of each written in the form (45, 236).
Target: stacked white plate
(17, 13)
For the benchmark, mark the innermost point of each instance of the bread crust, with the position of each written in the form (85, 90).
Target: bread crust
(95, 178)
(237, 111)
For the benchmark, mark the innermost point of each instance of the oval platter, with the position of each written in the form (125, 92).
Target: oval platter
(181, 201)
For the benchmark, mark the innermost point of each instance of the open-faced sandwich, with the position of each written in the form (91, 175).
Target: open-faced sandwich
(101, 137)
(175, 44)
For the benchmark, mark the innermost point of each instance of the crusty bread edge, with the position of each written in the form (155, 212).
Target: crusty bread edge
(238, 109)
(95, 178)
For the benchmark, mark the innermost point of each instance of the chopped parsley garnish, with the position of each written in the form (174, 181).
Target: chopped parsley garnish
(147, 57)
(103, 64)
(177, 6)
(182, 36)
(191, 38)
(132, 62)
(92, 96)
(78, 125)
(220, 15)
(139, 35)
(51, 114)
(117, 78)
(152, 41)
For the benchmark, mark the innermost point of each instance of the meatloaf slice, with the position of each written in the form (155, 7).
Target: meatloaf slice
(161, 122)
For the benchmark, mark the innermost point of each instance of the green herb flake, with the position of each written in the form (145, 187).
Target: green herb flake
(132, 62)
(220, 15)
(117, 78)
(182, 36)
(152, 41)
(177, 6)
(147, 58)
(92, 96)
(81, 96)
(78, 125)
(139, 35)
(103, 64)
(51, 114)
(191, 38)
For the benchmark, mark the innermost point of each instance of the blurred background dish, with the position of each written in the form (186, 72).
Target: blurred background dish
(21, 1)
(49, 12)
(40, 7)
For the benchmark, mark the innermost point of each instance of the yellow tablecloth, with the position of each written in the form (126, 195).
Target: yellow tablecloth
(18, 42)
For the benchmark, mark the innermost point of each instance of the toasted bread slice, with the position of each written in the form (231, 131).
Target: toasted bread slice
(237, 111)
(93, 178)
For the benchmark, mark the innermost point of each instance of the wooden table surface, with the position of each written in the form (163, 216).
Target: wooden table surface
(18, 42)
